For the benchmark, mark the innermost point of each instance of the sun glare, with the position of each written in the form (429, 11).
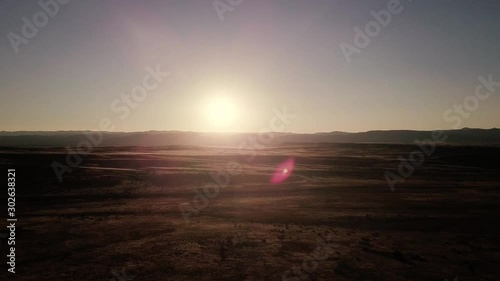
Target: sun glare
(220, 113)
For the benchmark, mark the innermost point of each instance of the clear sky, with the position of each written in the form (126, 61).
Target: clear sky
(229, 74)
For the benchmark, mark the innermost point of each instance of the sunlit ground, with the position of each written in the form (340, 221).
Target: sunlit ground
(121, 212)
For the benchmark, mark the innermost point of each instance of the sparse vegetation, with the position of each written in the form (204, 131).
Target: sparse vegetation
(124, 214)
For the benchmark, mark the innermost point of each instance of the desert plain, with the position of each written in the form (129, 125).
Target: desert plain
(126, 213)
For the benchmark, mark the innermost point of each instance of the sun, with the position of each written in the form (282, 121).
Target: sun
(220, 113)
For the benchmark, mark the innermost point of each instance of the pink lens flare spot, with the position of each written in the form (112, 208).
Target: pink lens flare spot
(283, 171)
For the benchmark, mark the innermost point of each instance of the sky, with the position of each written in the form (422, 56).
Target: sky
(229, 65)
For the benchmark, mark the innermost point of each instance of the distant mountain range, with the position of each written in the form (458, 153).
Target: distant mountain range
(162, 138)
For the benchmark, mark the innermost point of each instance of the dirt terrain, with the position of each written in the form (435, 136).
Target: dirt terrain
(119, 214)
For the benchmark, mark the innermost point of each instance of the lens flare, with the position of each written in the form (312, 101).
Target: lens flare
(283, 171)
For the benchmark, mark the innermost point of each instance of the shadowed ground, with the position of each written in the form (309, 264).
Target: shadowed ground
(120, 211)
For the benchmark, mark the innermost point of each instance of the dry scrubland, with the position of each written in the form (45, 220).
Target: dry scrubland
(119, 210)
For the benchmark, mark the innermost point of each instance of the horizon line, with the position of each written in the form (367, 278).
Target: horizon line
(211, 132)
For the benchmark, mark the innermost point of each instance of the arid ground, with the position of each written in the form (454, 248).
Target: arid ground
(117, 217)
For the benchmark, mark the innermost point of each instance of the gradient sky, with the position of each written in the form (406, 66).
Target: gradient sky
(263, 55)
